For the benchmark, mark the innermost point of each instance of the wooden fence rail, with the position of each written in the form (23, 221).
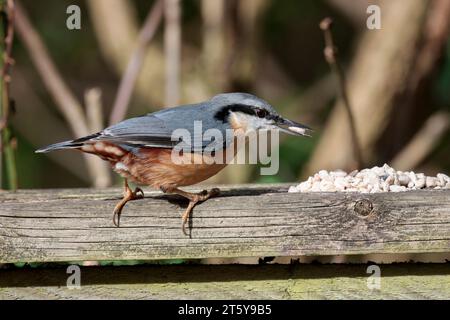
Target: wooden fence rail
(398, 281)
(245, 221)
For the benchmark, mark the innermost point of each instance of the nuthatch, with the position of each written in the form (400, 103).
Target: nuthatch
(141, 148)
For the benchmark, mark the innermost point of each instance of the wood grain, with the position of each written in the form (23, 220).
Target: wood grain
(245, 221)
(398, 281)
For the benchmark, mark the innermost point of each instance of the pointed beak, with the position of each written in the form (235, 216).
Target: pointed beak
(293, 128)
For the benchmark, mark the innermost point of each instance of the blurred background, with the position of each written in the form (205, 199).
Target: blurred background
(65, 83)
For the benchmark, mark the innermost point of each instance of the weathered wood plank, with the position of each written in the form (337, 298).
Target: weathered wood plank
(398, 281)
(249, 221)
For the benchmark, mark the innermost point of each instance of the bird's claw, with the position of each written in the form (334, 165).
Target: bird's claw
(128, 196)
(196, 198)
(205, 194)
(116, 216)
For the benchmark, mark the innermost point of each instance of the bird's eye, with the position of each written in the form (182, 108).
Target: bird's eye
(261, 113)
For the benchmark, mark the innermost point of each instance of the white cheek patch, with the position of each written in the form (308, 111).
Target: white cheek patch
(248, 122)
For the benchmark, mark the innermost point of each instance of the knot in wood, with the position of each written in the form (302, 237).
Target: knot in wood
(363, 207)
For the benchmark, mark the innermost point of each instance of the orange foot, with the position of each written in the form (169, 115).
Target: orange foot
(128, 195)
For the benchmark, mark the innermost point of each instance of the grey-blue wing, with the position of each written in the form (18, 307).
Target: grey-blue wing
(141, 131)
(167, 128)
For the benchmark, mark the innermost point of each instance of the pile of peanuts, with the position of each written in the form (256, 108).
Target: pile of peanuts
(376, 179)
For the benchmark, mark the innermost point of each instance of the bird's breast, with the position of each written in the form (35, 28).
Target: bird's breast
(159, 167)
(163, 168)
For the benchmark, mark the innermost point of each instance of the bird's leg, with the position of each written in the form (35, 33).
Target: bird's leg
(193, 198)
(128, 195)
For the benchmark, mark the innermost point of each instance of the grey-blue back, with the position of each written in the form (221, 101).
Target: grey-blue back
(156, 129)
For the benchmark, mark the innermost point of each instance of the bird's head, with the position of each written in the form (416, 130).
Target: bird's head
(250, 113)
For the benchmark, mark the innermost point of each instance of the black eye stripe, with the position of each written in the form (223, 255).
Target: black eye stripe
(224, 113)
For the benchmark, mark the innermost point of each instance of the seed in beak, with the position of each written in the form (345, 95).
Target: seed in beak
(298, 130)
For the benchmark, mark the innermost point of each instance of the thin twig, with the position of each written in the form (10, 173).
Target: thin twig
(7, 140)
(129, 78)
(331, 56)
(172, 49)
(64, 99)
(8, 60)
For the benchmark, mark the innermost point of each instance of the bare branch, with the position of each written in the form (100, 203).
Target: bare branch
(49, 126)
(135, 64)
(423, 142)
(330, 53)
(172, 48)
(65, 100)
(382, 64)
(8, 60)
(8, 142)
(214, 51)
(52, 79)
(436, 31)
(94, 113)
(94, 110)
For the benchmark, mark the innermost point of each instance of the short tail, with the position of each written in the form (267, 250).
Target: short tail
(60, 146)
(72, 144)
